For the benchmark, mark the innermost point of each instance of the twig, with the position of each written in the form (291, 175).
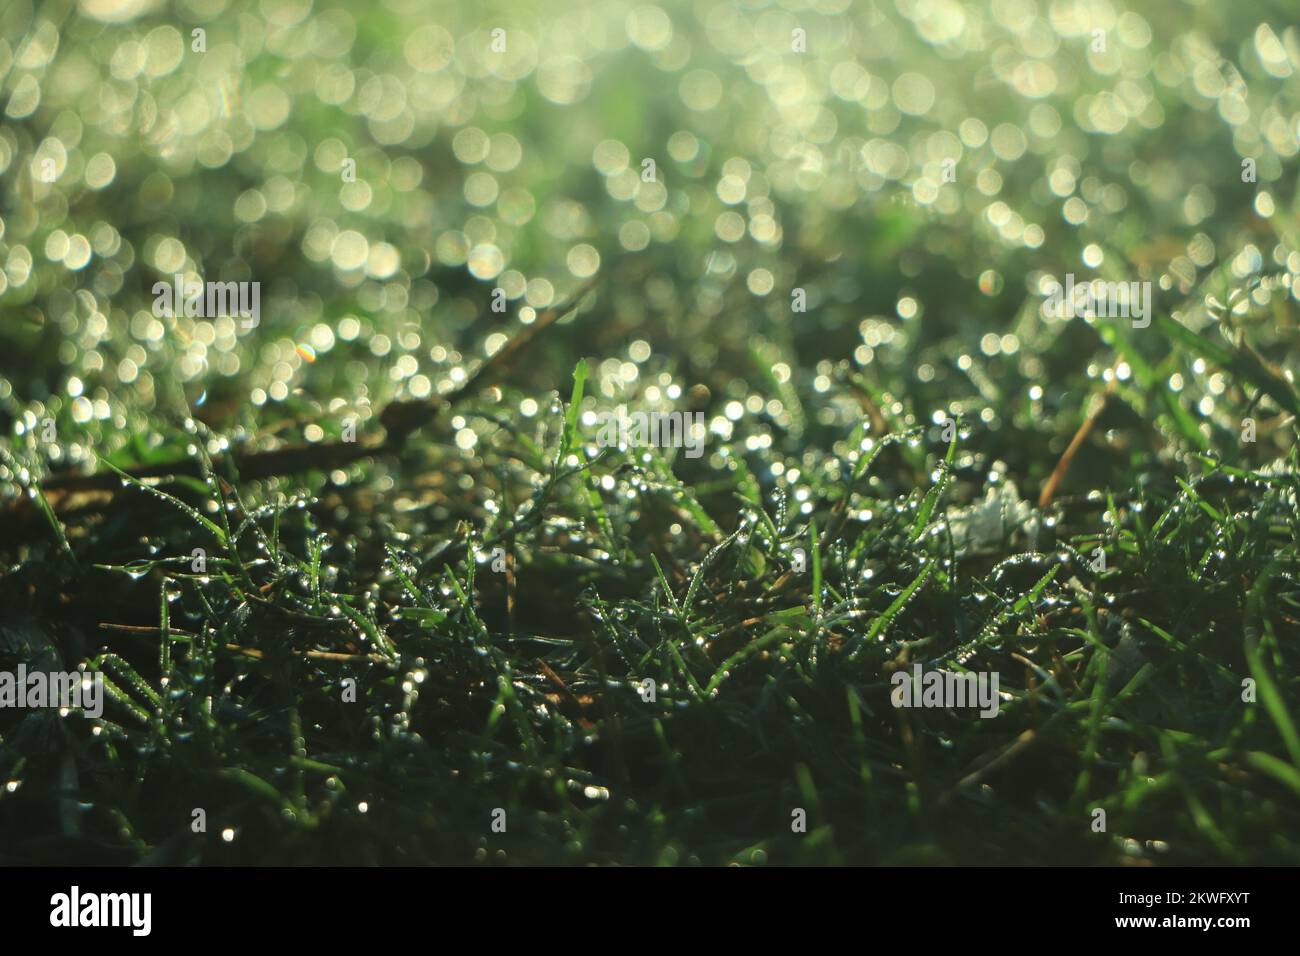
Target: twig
(1013, 750)
(138, 629)
(250, 651)
(400, 419)
(1062, 466)
(255, 654)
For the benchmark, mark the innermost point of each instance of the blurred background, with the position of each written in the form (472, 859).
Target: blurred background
(827, 225)
(214, 139)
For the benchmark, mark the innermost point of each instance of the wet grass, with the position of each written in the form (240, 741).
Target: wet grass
(437, 643)
(347, 678)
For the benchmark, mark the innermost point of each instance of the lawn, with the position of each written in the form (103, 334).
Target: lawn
(635, 395)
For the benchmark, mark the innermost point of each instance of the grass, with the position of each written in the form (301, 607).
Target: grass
(360, 652)
(518, 689)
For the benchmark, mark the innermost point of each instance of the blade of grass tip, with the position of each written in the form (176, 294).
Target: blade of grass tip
(55, 524)
(316, 766)
(932, 496)
(765, 356)
(860, 742)
(1115, 335)
(571, 441)
(1022, 604)
(128, 675)
(109, 661)
(1213, 465)
(749, 650)
(696, 691)
(840, 511)
(164, 631)
(668, 591)
(296, 743)
(682, 496)
(1225, 672)
(808, 789)
(597, 505)
(816, 573)
(126, 700)
(850, 481)
(216, 490)
(881, 623)
(410, 586)
(698, 580)
(1202, 817)
(471, 566)
(369, 628)
(1199, 501)
(768, 526)
(254, 785)
(1187, 424)
(1089, 754)
(484, 638)
(748, 490)
(1269, 694)
(315, 548)
(507, 702)
(1277, 769)
(865, 461)
(1243, 365)
(575, 405)
(275, 539)
(42, 502)
(192, 513)
(671, 758)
